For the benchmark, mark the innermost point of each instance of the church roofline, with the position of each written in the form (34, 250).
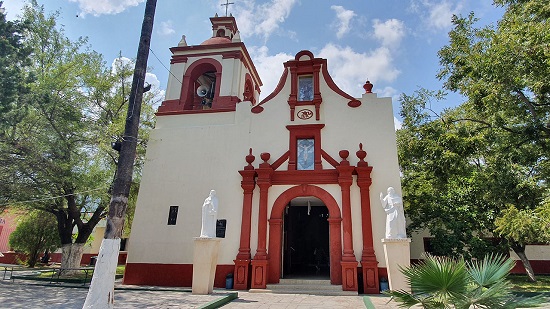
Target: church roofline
(203, 50)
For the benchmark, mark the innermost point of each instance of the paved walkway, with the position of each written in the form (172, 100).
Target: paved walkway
(20, 294)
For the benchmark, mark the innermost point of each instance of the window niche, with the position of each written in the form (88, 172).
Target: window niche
(305, 154)
(173, 215)
(305, 88)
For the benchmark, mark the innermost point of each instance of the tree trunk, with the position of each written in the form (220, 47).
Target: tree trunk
(70, 257)
(100, 294)
(520, 251)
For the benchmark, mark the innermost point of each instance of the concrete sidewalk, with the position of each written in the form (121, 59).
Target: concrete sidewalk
(26, 295)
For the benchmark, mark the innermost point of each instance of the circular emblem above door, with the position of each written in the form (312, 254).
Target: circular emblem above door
(304, 114)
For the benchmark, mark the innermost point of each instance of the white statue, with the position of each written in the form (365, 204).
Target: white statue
(182, 42)
(209, 214)
(395, 217)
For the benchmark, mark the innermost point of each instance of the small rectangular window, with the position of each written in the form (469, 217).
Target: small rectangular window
(173, 215)
(305, 88)
(221, 225)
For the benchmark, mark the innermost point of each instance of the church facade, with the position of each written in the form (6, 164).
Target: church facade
(298, 174)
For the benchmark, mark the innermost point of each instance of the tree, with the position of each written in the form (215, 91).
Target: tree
(441, 282)
(101, 289)
(464, 167)
(36, 233)
(13, 61)
(59, 155)
(523, 227)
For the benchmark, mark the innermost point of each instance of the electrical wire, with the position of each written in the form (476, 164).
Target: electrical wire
(165, 67)
(51, 198)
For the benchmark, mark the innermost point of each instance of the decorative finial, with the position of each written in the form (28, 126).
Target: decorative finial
(182, 42)
(249, 159)
(368, 87)
(226, 4)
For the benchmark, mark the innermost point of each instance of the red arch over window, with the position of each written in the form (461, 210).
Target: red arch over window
(275, 230)
(193, 72)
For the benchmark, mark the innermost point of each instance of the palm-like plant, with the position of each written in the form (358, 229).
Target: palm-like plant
(441, 282)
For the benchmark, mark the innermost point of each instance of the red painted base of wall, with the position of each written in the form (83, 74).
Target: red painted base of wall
(180, 275)
(540, 267)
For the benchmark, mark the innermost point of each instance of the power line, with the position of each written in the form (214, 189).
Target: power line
(51, 198)
(165, 67)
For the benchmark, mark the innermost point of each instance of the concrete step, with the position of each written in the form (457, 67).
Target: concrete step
(305, 286)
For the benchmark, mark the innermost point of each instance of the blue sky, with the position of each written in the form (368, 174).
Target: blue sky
(393, 43)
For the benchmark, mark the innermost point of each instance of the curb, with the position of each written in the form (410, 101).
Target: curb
(220, 302)
(368, 303)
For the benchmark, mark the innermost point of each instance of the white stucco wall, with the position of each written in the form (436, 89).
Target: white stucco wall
(188, 155)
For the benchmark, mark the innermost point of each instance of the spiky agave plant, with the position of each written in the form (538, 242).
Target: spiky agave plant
(441, 282)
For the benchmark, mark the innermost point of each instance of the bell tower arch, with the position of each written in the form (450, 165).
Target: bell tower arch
(213, 76)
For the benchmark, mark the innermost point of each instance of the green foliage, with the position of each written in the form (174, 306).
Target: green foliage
(36, 233)
(441, 282)
(465, 167)
(525, 226)
(58, 154)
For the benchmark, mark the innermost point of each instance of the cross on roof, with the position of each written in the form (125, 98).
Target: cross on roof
(227, 3)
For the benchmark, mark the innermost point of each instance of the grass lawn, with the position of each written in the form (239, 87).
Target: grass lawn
(522, 284)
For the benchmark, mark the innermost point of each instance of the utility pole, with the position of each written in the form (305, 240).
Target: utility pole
(101, 292)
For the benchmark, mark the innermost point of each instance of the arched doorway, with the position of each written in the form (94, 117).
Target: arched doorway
(306, 239)
(275, 266)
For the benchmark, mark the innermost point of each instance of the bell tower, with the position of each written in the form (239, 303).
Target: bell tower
(211, 77)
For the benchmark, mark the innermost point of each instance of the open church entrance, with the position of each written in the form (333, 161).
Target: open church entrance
(306, 239)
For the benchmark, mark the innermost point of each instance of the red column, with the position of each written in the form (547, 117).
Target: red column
(260, 261)
(335, 226)
(242, 261)
(349, 263)
(274, 269)
(369, 263)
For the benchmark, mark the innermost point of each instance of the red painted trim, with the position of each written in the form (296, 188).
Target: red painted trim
(539, 267)
(332, 85)
(304, 177)
(257, 109)
(247, 184)
(329, 159)
(349, 276)
(303, 53)
(275, 231)
(305, 131)
(169, 274)
(202, 51)
(280, 161)
(368, 256)
(241, 278)
(345, 180)
(280, 85)
(198, 111)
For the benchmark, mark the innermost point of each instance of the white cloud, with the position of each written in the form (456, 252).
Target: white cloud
(441, 14)
(166, 28)
(262, 19)
(343, 20)
(13, 8)
(150, 78)
(437, 15)
(351, 69)
(100, 7)
(270, 67)
(390, 32)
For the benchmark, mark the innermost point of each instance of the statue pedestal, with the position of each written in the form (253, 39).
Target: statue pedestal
(398, 254)
(205, 259)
